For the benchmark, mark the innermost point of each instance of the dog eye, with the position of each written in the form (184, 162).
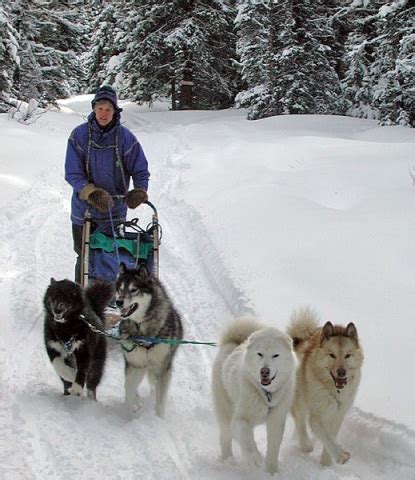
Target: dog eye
(332, 355)
(260, 355)
(276, 355)
(348, 355)
(134, 290)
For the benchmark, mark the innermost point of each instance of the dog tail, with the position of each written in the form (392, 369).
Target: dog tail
(304, 322)
(98, 295)
(238, 331)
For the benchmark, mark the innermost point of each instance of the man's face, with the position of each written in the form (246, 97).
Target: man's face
(104, 113)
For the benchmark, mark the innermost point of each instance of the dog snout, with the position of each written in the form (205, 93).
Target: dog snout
(341, 372)
(119, 302)
(58, 309)
(264, 372)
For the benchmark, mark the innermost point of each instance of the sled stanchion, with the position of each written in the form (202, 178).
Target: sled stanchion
(86, 230)
(155, 246)
(108, 243)
(155, 228)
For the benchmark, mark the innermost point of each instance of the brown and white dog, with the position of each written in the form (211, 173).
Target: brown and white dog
(327, 380)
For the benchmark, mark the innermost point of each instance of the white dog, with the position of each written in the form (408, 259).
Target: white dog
(253, 382)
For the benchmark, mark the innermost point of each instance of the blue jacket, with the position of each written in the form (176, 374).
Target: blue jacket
(91, 157)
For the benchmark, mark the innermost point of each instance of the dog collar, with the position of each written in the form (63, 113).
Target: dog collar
(268, 395)
(145, 344)
(68, 344)
(129, 346)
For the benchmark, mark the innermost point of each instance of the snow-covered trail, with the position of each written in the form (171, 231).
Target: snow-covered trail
(46, 436)
(48, 429)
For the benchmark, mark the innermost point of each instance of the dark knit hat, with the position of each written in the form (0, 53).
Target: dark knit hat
(106, 93)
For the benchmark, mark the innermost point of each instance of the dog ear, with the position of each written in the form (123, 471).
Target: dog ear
(122, 269)
(351, 331)
(327, 332)
(143, 272)
(52, 280)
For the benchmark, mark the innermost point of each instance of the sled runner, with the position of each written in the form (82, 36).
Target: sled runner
(105, 247)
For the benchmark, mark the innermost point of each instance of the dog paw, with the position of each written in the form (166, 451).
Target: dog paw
(343, 457)
(76, 390)
(91, 394)
(135, 406)
(160, 412)
(326, 460)
(226, 456)
(271, 467)
(253, 460)
(226, 451)
(306, 447)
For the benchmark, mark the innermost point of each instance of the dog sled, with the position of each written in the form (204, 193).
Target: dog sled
(103, 251)
(105, 247)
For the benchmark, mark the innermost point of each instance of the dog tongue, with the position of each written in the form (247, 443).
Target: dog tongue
(265, 381)
(340, 382)
(127, 312)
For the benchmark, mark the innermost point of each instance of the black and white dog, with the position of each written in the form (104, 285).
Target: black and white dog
(77, 353)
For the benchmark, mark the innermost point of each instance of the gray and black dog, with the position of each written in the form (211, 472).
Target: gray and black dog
(77, 353)
(146, 311)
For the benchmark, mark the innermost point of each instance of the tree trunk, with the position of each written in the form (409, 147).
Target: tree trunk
(186, 88)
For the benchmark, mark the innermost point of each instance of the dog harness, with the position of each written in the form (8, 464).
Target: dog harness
(69, 344)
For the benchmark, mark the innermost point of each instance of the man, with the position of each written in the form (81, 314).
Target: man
(102, 157)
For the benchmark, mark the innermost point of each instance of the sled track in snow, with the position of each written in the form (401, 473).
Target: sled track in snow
(47, 437)
(394, 443)
(379, 436)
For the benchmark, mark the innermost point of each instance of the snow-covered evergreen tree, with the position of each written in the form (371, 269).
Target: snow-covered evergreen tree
(394, 68)
(253, 25)
(104, 57)
(359, 55)
(182, 49)
(305, 81)
(331, 31)
(379, 80)
(405, 72)
(290, 56)
(9, 59)
(214, 55)
(147, 63)
(299, 75)
(49, 47)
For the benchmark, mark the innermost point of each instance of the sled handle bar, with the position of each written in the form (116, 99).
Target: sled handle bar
(85, 243)
(156, 233)
(147, 202)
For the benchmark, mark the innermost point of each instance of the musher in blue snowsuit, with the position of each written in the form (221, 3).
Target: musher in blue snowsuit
(101, 158)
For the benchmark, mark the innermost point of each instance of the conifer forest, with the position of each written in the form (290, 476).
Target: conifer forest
(271, 57)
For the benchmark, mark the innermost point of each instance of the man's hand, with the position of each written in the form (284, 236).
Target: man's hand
(97, 197)
(136, 197)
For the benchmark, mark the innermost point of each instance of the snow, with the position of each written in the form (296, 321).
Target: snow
(359, 3)
(258, 218)
(387, 9)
